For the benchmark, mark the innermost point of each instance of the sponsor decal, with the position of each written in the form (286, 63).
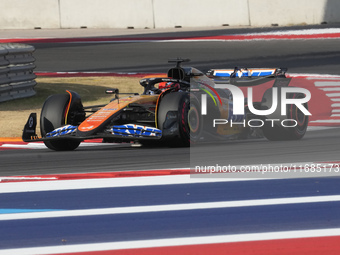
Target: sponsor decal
(135, 130)
(65, 130)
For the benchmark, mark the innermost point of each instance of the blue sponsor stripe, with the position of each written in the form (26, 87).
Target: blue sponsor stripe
(222, 74)
(259, 73)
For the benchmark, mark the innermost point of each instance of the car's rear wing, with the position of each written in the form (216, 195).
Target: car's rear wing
(245, 76)
(245, 72)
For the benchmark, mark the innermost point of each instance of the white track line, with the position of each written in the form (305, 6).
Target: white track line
(170, 242)
(24, 146)
(284, 171)
(317, 128)
(41, 146)
(318, 31)
(16, 187)
(168, 207)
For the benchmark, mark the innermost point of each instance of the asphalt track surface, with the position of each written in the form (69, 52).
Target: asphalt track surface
(308, 56)
(316, 146)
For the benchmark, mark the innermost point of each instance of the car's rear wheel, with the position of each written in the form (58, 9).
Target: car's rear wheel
(52, 116)
(296, 124)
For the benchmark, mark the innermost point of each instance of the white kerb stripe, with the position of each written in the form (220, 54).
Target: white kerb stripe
(329, 77)
(169, 207)
(331, 89)
(327, 83)
(326, 121)
(333, 95)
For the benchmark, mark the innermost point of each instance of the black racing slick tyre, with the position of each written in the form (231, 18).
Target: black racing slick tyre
(179, 119)
(297, 123)
(53, 116)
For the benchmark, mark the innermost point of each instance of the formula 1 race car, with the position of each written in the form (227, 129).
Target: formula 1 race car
(185, 107)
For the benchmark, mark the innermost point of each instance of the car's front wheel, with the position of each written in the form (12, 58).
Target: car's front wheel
(54, 115)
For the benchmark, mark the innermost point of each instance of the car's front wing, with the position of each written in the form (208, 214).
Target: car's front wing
(128, 132)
